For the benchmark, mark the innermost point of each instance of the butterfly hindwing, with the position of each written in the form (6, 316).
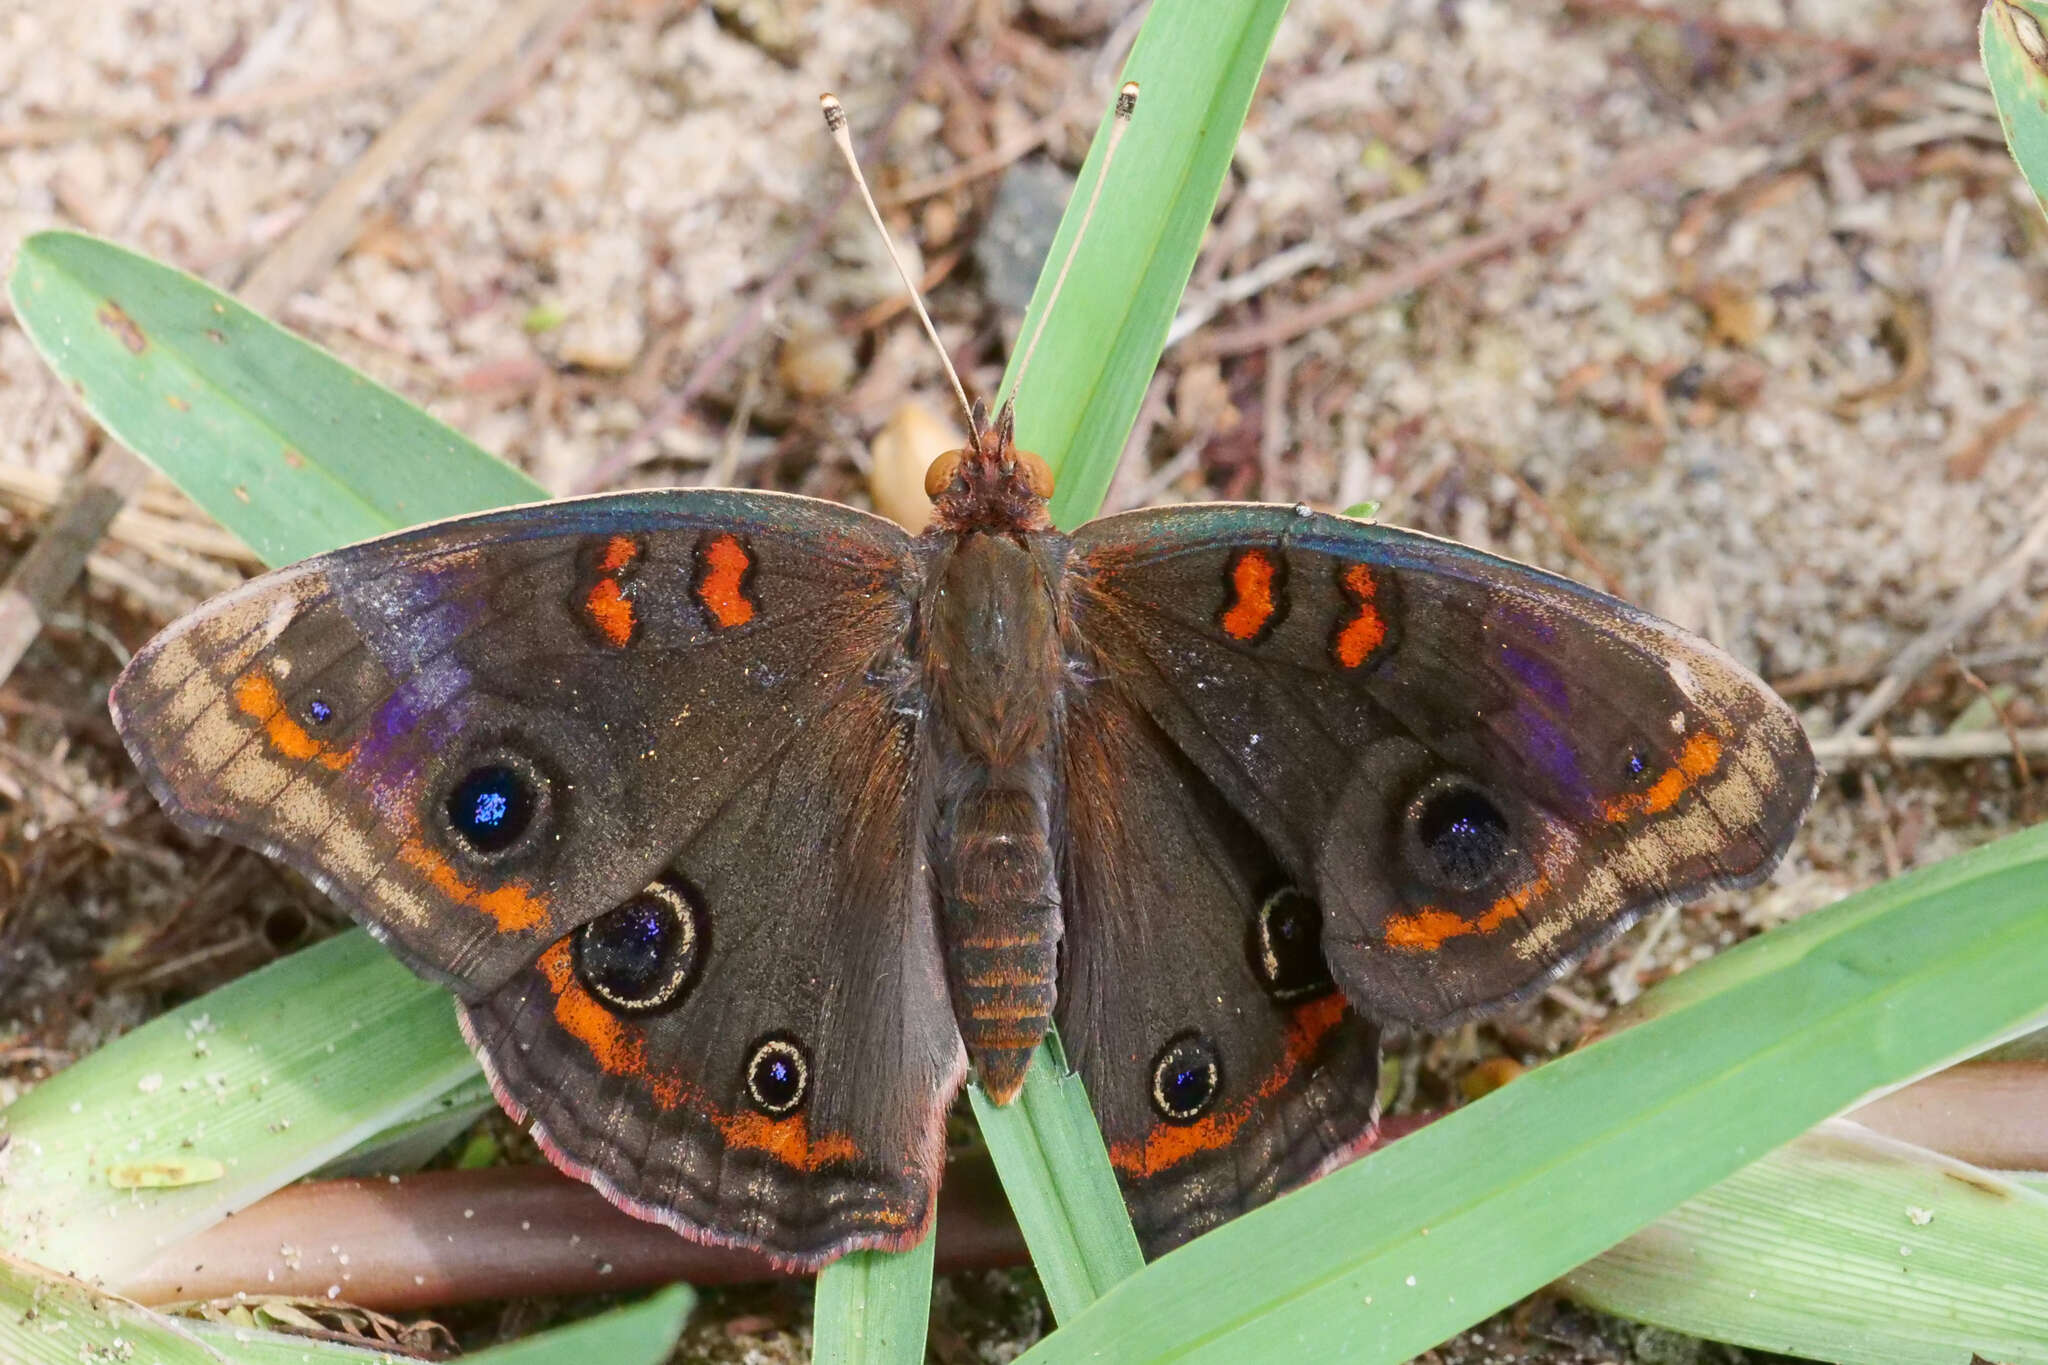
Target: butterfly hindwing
(1481, 769)
(786, 1087)
(588, 680)
(1223, 1064)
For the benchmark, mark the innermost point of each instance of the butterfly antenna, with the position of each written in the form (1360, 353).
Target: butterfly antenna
(835, 122)
(1126, 105)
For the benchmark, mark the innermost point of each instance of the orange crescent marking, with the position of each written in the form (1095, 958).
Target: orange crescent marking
(1168, 1144)
(1429, 929)
(619, 554)
(257, 697)
(1700, 756)
(622, 1051)
(1365, 632)
(725, 563)
(513, 906)
(1251, 579)
(611, 611)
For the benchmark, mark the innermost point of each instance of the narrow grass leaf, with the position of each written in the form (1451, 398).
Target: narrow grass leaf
(412, 1141)
(873, 1307)
(280, 442)
(2013, 39)
(1198, 62)
(639, 1334)
(1390, 1256)
(1057, 1175)
(264, 1080)
(47, 1320)
(1844, 1245)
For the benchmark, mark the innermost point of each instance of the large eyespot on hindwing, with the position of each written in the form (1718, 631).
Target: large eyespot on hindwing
(1286, 947)
(1455, 835)
(1187, 1076)
(498, 805)
(778, 1076)
(645, 953)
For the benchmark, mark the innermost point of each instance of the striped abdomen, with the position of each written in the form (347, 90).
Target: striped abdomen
(999, 903)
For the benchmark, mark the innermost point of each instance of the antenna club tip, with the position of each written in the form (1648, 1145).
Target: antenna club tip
(1127, 99)
(834, 111)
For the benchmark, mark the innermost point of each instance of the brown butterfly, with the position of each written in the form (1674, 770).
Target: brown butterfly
(741, 824)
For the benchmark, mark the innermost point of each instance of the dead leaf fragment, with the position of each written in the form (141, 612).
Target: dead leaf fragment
(164, 1173)
(903, 449)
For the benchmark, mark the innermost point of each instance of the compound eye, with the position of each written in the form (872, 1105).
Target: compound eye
(939, 476)
(1037, 474)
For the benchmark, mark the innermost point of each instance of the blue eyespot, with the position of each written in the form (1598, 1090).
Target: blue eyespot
(491, 807)
(1636, 766)
(1464, 836)
(644, 954)
(1287, 946)
(1186, 1078)
(778, 1076)
(319, 712)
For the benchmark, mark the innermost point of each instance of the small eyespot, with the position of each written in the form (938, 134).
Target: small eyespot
(1186, 1078)
(644, 954)
(1463, 838)
(319, 712)
(1635, 764)
(1287, 946)
(1037, 473)
(939, 475)
(493, 805)
(778, 1076)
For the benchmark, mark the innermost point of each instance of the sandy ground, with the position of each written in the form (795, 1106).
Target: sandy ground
(1781, 391)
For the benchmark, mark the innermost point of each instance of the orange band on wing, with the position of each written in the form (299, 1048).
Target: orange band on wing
(1169, 1143)
(610, 612)
(1429, 929)
(721, 586)
(1251, 608)
(619, 554)
(1365, 631)
(621, 1049)
(514, 906)
(257, 696)
(1700, 756)
(607, 608)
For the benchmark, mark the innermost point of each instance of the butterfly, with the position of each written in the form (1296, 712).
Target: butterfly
(742, 825)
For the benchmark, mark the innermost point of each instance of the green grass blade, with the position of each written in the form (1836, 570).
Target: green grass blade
(283, 444)
(638, 1334)
(1847, 1246)
(1392, 1255)
(45, 1320)
(1198, 62)
(2013, 39)
(1057, 1175)
(240, 1092)
(873, 1307)
(411, 1141)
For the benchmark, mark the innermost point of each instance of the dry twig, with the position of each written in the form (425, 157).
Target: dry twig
(1645, 163)
(467, 90)
(636, 448)
(1970, 606)
(1768, 35)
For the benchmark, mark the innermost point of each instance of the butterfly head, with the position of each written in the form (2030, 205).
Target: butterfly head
(989, 484)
